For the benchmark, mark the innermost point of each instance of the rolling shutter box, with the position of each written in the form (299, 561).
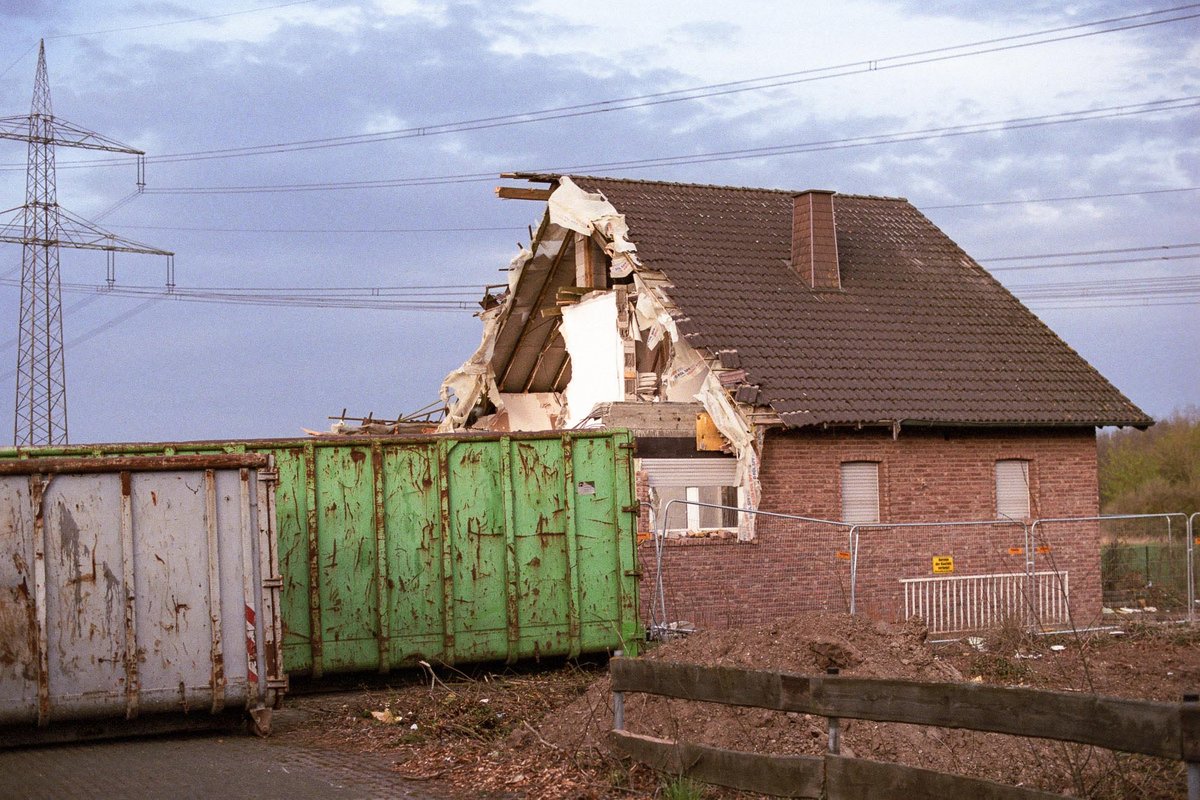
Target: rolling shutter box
(690, 471)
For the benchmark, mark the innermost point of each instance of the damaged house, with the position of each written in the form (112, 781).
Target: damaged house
(812, 354)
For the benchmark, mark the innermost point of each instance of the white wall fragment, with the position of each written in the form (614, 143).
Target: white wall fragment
(532, 411)
(589, 330)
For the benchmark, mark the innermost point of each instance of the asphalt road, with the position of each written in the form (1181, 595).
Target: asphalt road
(228, 766)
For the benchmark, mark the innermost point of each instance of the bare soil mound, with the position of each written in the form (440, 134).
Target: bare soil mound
(856, 646)
(540, 732)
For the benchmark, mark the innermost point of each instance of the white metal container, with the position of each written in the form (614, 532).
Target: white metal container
(135, 588)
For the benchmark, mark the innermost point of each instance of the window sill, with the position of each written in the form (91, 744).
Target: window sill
(700, 538)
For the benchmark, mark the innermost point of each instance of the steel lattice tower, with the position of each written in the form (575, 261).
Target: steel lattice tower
(41, 398)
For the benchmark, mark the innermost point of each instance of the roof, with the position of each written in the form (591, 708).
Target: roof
(919, 332)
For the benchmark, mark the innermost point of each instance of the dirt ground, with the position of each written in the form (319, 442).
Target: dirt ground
(539, 732)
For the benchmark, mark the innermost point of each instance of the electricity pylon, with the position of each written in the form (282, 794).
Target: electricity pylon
(41, 227)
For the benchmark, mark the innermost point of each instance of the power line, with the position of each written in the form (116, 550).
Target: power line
(925, 134)
(431, 297)
(188, 21)
(1118, 287)
(1106, 262)
(18, 61)
(87, 301)
(1094, 305)
(981, 47)
(1074, 253)
(328, 230)
(1066, 198)
(494, 228)
(99, 329)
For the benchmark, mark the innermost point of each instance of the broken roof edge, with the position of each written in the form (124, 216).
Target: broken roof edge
(796, 421)
(554, 177)
(594, 203)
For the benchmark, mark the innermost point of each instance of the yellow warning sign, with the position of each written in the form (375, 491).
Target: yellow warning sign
(1016, 551)
(1043, 549)
(943, 564)
(842, 554)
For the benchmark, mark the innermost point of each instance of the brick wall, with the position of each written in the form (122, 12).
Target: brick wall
(924, 476)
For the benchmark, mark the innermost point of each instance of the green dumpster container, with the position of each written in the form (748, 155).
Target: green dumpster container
(454, 548)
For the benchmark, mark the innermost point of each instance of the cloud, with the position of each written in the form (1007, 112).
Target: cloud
(333, 69)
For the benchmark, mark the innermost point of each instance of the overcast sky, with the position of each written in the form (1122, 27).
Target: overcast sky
(155, 76)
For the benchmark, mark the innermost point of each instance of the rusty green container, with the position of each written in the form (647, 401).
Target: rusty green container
(453, 548)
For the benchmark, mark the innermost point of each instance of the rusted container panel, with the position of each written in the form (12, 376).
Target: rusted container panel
(145, 589)
(454, 548)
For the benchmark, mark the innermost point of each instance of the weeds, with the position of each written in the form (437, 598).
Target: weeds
(682, 788)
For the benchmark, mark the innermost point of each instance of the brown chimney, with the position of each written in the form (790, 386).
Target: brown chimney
(814, 239)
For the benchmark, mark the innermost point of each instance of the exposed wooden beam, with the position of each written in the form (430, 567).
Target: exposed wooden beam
(521, 193)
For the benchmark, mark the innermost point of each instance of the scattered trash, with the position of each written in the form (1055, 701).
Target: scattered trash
(977, 643)
(387, 716)
(1058, 648)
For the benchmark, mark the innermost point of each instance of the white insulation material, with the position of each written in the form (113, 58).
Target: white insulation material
(733, 426)
(589, 330)
(588, 213)
(474, 377)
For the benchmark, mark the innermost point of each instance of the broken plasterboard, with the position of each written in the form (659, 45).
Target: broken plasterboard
(589, 330)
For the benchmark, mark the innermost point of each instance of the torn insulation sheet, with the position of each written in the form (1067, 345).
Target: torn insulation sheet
(474, 379)
(737, 430)
(590, 212)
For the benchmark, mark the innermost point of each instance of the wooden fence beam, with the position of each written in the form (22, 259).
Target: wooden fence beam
(781, 776)
(1132, 726)
(860, 779)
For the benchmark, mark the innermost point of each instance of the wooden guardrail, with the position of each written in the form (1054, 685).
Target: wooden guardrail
(1166, 730)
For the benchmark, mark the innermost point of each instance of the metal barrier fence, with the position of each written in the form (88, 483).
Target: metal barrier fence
(977, 602)
(1044, 574)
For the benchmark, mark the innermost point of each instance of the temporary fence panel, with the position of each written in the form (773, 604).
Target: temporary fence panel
(955, 571)
(712, 580)
(1144, 563)
(977, 602)
(136, 587)
(454, 548)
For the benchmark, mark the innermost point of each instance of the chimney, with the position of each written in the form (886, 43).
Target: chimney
(814, 239)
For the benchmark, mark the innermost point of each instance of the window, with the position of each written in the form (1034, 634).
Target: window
(860, 491)
(697, 480)
(1012, 489)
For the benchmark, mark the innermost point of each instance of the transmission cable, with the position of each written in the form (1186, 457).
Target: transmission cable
(925, 134)
(915, 58)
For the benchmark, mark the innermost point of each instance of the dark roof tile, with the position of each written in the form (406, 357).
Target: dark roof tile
(919, 332)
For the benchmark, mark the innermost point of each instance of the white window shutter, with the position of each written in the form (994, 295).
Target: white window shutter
(1012, 489)
(860, 492)
(690, 471)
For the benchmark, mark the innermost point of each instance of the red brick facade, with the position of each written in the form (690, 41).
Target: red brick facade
(925, 475)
